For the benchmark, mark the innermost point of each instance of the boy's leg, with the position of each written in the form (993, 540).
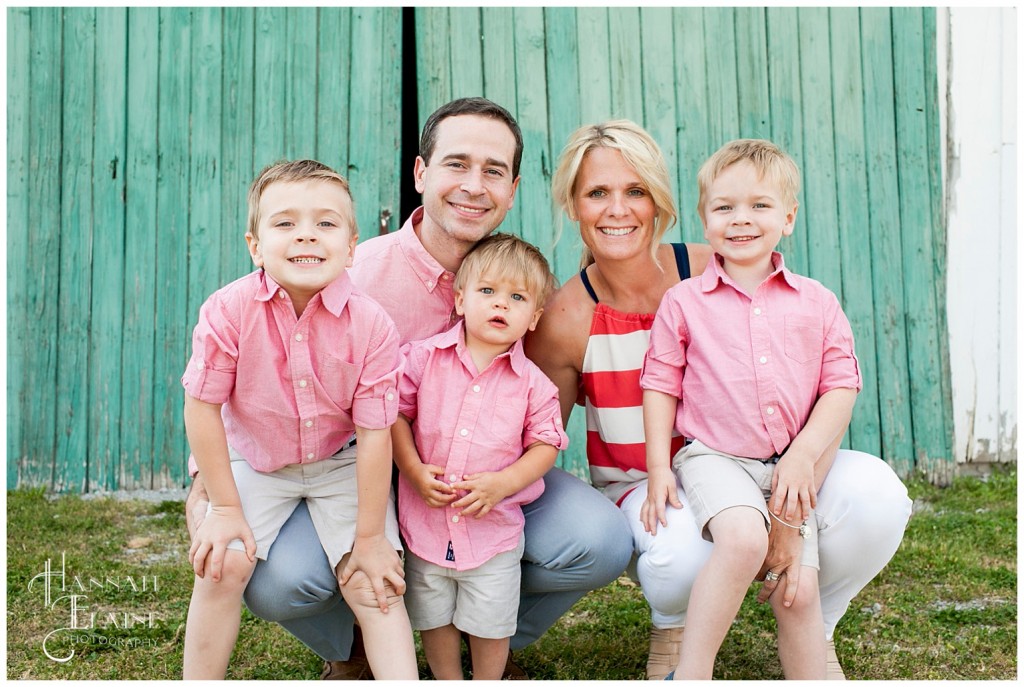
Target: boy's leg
(442, 647)
(489, 657)
(387, 636)
(741, 543)
(576, 541)
(801, 630)
(214, 615)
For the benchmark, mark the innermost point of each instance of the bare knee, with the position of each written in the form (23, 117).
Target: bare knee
(236, 570)
(360, 597)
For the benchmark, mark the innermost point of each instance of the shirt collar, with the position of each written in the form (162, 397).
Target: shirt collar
(424, 266)
(334, 296)
(456, 337)
(714, 274)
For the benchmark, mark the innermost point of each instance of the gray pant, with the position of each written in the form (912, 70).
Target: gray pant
(576, 541)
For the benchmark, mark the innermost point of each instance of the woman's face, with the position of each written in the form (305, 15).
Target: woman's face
(613, 206)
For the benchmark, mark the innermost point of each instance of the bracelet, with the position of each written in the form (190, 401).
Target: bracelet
(805, 529)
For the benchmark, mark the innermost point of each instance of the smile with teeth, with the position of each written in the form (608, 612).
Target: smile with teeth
(617, 231)
(742, 239)
(306, 260)
(469, 210)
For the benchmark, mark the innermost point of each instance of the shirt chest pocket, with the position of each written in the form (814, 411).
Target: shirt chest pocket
(803, 339)
(507, 419)
(339, 378)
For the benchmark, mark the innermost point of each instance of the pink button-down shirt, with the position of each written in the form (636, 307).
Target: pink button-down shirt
(398, 272)
(476, 423)
(294, 389)
(748, 371)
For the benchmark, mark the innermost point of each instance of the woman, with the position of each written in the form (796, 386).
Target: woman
(612, 181)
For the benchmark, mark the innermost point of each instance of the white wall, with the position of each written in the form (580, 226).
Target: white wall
(978, 67)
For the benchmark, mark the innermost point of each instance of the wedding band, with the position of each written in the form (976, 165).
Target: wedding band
(771, 576)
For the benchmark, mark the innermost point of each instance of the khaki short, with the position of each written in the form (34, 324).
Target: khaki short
(483, 601)
(329, 487)
(714, 481)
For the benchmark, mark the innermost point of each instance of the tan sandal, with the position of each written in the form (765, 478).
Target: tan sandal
(833, 670)
(663, 656)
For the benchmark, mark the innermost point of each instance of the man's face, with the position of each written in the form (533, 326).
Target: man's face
(467, 184)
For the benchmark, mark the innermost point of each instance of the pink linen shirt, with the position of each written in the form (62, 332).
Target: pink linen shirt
(398, 272)
(477, 422)
(748, 370)
(293, 388)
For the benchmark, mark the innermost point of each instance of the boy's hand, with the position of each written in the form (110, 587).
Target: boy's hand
(434, 492)
(661, 488)
(221, 526)
(379, 561)
(485, 491)
(784, 548)
(793, 487)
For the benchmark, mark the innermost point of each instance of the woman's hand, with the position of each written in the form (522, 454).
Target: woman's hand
(661, 488)
(221, 526)
(434, 492)
(376, 557)
(485, 490)
(785, 546)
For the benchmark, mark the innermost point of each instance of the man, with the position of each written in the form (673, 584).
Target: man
(576, 540)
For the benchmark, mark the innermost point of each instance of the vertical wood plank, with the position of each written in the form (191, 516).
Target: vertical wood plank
(932, 436)
(270, 83)
(433, 60)
(593, 38)
(334, 76)
(534, 192)
(693, 97)
(236, 164)
(465, 47)
(752, 72)
(853, 219)
(139, 280)
(886, 252)
(172, 218)
(626, 76)
(108, 177)
(786, 122)
(300, 83)
(364, 115)
(500, 84)
(659, 92)
(723, 99)
(19, 93)
(71, 469)
(389, 95)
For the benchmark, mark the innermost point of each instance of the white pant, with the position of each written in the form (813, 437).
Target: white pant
(862, 512)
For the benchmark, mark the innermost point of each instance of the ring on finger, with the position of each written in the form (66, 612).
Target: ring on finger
(771, 576)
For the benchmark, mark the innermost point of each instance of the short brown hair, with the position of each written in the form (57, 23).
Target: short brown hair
(509, 255)
(292, 171)
(771, 163)
(481, 107)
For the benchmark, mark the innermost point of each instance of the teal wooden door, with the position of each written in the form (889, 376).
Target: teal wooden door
(133, 134)
(850, 93)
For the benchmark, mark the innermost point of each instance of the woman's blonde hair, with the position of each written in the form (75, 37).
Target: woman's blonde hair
(639, 150)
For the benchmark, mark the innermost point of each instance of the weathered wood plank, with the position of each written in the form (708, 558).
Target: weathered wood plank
(593, 38)
(389, 153)
(300, 82)
(364, 115)
(236, 156)
(465, 49)
(752, 72)
(720, 62)
(886, 252)
(108, 190)
(139, 281)
(433, 60)
(626, 74)
(333, 83)
(854, 220)
(270, 84)
(694, 142)
(173, 335)
(73, 301)
(659, 91)
(534, 193)
(500, 85)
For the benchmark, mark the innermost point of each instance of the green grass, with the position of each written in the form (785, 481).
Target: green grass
(944, 608)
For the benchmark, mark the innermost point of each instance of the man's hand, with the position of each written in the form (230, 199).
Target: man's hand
(784, 548)
(221, 526)
(485, 490)
(378, 560)
(661, 489)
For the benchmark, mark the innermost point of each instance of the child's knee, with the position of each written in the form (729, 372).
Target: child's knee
(360, 596)
(235, 572)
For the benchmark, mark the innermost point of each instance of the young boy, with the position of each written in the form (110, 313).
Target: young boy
(479, 425)
(755, 365)
(287, 362)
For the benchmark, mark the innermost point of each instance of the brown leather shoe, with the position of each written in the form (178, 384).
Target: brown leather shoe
(355, 668)
(513, 671)
(663, 656)
(833, 670)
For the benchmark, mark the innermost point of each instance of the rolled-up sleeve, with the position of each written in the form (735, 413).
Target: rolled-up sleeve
(210, 374)
(544, 417)
(840, 368)
(375, 402)
(666, 354)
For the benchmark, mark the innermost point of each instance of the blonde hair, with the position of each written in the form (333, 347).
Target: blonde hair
(639, 149)
(771, 163)
(292, 171)
(511, 257)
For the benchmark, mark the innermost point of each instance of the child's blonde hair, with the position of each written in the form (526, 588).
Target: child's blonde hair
(772, 165)
(292, 171)
(512, 257)
(639, 149)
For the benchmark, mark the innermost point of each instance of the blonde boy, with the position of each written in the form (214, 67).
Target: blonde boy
(479, 426)
(288, 362)
(770, 382)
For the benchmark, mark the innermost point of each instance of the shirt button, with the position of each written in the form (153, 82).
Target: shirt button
(476, 388)
(445, 277)
(390, 397)
(463, 432)
(280, 294)
(298, 337)
(455, 518)
(309, 423)
(757, 311)
(453, 478)
(309, 456)
(430, 284)
(302, 383)
(763, 360)
(770, 410)
(200, 364)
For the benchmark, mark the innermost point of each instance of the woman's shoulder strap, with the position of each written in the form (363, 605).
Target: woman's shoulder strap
(682, 260)
(586, 284)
